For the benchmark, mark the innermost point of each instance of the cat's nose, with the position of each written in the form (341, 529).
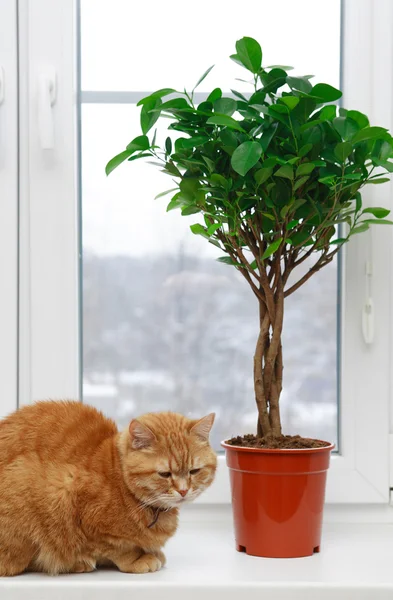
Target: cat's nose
(183, 493)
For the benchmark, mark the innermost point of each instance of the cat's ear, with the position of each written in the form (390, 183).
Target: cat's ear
(202, 427)
(140, 435)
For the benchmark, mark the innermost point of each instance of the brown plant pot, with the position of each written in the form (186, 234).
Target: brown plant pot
(277, 499)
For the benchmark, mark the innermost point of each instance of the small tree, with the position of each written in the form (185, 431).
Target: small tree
(272, 175)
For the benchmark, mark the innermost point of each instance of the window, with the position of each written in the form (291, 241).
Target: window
(133, 286)
(8, 207)
(164, 325)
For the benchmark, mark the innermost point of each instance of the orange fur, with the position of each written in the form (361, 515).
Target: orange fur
(75, 493)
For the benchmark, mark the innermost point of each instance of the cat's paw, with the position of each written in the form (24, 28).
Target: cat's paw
(161, 556)
(82, 567)
(147, 563)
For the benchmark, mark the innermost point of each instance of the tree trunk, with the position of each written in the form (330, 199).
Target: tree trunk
(268, 366)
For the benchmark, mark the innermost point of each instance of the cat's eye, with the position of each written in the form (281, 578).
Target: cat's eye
(166, 475)
(194, 471)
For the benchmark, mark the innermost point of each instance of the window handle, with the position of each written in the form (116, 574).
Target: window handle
(368, 321)
(47, 91)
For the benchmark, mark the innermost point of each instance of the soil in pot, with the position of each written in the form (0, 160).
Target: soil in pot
(287, 442)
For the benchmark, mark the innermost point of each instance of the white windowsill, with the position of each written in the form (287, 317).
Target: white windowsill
(355, 563)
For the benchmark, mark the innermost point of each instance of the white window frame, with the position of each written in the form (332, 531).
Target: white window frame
(49, 239)
(49, 267)
(8, 206)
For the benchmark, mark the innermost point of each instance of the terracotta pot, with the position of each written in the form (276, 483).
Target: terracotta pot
(277, 499)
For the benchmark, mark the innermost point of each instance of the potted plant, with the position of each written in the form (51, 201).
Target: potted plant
(274, 177)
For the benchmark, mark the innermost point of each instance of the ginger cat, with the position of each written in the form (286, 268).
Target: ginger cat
(76, 493)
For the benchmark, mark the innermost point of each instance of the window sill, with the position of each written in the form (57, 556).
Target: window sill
(355, 563)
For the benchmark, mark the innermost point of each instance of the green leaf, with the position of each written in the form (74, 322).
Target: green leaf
(245, 157)
(171, 169)
(228, 138)
(267, 137)
(384, 150)
(300, 237)
(304, 109)
(385, 164)
(249, 53)
(273, 247)
(305, 169)
(168, 145)
(284, 211)
(206, 73)
(305, 150)
(338, 241)
(219, 180)
(292, 224)
(368, 133)
(215, 243)
(378, 212)
(226, 260)
(358, 201)
(224, 121)
(257, 100)
(358, 117)
(213, 228)
(190, 210)
(162, 194)
(225, 106)
(148, 118)
(193, 142)
(138, 156)
(342, 151)
(378, 221)
(156, 96)
(262, 174)
(210, 164)
(139, 143)
(328, 113)
(270, 162)
(198, 229)
(285, 171)
(359, 229)
(379, 180)
(299, 83)
(174, 104)
(300, 182)
(239, 95)
(284, 67)
(278, 108)
(290, 101)
(237, 60)
(346, 127)
(176, 202)
(329, 180)
(214, 95)
(299, 203)
(325, 92)
(116, 161)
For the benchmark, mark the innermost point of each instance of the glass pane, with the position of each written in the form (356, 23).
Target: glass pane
(167, 327)
(137, 46)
